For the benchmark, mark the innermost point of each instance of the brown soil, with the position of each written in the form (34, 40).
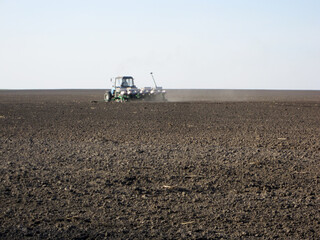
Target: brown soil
(70, 168)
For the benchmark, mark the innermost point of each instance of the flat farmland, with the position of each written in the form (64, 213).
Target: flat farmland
(207, 164)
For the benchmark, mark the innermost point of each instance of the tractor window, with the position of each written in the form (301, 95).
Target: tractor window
(124, 83)
(118, 82)
(127, 82)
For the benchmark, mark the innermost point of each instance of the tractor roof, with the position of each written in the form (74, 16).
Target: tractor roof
(124, 77)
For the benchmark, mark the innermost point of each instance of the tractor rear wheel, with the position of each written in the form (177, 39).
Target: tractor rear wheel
(107, 97)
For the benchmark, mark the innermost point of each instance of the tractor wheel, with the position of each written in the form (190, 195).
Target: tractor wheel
(107, 97)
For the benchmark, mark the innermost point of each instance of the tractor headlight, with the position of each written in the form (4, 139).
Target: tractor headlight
(122, 92)
(129, 92)
(163, 91)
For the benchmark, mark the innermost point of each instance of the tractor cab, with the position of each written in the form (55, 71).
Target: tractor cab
(124, 82)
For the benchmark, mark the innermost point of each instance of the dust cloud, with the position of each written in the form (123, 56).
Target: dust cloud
(211, 95)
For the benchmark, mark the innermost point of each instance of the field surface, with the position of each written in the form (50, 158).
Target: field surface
(207, 164)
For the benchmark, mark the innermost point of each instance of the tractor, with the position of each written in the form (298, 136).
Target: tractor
(124, 89)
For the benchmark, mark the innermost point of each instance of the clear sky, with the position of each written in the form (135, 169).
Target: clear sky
(223, 44)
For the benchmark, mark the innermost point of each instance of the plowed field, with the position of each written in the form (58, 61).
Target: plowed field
(70, 168)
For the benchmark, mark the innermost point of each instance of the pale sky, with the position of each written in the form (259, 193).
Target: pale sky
(215, 44)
